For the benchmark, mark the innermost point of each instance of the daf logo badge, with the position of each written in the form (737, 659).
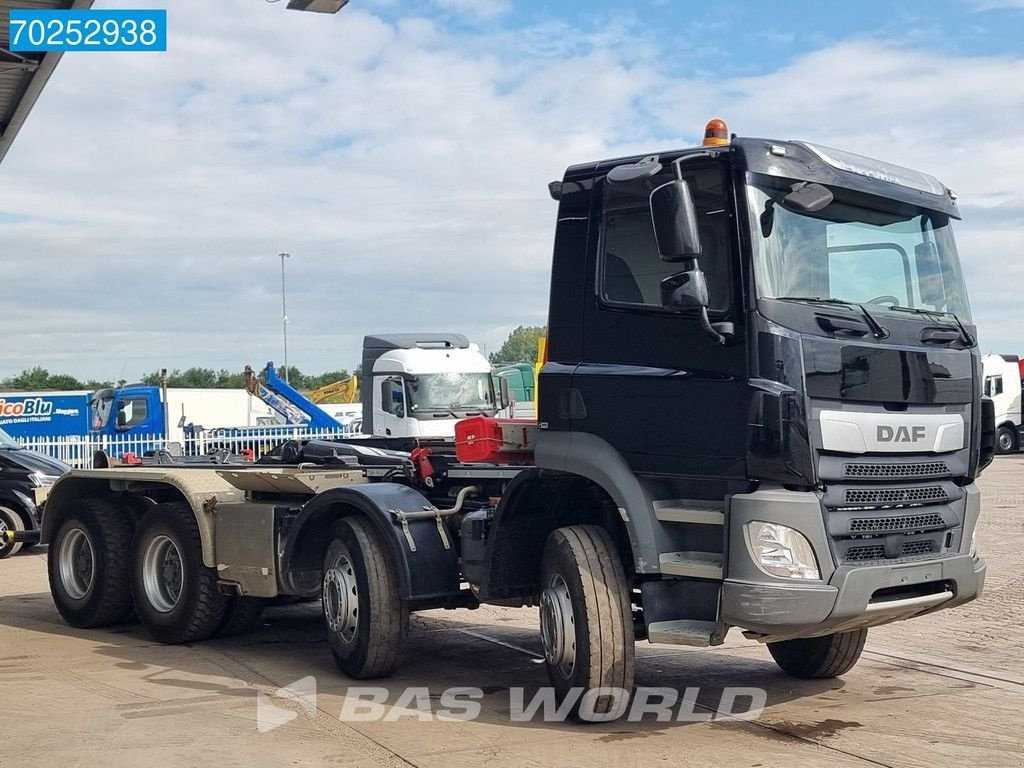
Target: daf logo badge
(888, 434)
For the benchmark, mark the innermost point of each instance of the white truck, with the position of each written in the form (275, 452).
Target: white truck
(1003, 384)
(419, 385)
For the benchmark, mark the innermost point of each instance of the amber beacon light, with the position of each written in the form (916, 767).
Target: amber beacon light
(716, 133)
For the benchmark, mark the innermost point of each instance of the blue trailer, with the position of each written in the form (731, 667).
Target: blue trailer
(44, 414)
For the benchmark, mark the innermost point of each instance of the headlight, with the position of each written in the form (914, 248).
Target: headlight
(39, 479)
(780, 551)
(974, 543)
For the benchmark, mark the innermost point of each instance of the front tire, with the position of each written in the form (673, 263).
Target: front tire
(363, 609)
(176, 595)
(241, 616)
(88, 565)
(819, 657)
(586, 618)
(10, 521)
(1006, 441)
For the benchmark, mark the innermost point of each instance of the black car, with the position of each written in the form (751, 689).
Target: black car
(25, 476)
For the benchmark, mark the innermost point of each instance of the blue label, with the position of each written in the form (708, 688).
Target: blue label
(137, 30)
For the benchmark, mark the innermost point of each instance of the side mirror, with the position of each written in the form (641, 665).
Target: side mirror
(387, 402)
(122, 420)
(685, 291)
(506, 397)
(675, 221)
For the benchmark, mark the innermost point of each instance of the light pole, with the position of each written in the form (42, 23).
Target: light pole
(284, 315)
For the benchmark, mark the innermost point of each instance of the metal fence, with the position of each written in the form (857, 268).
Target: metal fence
(78, 450)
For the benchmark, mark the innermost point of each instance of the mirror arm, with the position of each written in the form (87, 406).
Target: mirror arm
(708, 328)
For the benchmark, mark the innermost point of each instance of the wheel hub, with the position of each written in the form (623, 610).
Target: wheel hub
(162, 573)
(76, 563)
(558, 626)
(341, 599)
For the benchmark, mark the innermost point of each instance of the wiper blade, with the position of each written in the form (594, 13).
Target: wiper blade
(877, 330)
(968, 339)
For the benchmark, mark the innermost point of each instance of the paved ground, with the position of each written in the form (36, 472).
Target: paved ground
(941, 690)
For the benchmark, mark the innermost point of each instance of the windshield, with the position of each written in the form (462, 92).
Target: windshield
(100, 408)
(6, 441)
(451, 392)
(859, 248)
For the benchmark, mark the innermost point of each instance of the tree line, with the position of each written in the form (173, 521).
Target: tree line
(519, 347)
(39, 379)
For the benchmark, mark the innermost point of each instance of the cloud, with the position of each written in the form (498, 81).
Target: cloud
(404, 166)
(481, 9)
(993, 5)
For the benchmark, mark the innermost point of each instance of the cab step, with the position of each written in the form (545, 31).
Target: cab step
(694, 565)
(682, 632)
(677, 511)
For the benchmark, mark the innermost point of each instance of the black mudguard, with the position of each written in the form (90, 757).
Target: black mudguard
(427, 562)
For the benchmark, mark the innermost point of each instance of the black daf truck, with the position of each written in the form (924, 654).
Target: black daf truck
(760, 409)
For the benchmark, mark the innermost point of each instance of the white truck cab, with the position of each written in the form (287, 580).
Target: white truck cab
(1003, 384)
(419, 385)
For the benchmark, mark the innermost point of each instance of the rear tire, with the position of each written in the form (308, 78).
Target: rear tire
(1006, 441)
(586, 618)
(10, 521)
(363, 609)
(176, 595)
(818, 657)
(88, 565)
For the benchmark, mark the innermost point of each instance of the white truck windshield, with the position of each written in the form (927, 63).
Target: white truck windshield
(451, 392)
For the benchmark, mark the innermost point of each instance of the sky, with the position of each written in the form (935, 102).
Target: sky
(400, 152)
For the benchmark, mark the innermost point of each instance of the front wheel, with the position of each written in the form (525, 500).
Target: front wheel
(176, 595)
(818, 657)
(1006, 441)
(9, 521)
(586, 619)
(365, 615)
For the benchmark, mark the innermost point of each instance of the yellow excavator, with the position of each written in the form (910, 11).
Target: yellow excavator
(341, 391)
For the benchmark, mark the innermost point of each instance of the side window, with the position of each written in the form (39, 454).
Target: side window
(993, 386)
(131, 412)
(393, 391)
(631, 269)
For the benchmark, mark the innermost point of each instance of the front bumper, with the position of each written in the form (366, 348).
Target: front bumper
(775, 611)
(849, 595)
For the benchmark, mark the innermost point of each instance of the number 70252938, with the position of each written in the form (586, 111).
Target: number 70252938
(114, 30)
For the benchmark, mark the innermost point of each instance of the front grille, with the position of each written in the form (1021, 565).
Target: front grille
(877, 551)
(895, 495)
(873, 552)
(917, 548)
(902, 523)
(897, 471)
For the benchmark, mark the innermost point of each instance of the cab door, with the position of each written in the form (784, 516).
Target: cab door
(652, 382)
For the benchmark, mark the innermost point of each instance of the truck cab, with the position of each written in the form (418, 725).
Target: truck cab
(1002, 383)
(794, 339)
(420, 385)
(136, 409)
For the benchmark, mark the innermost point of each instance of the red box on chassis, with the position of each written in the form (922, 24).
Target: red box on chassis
(484, 440)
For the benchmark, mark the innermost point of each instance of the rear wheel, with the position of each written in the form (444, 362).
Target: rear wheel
(9, 521)
(817, 657)
(586, 620)
(175, 594)
(366, 618)
(88, 565)
(1006, 441)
